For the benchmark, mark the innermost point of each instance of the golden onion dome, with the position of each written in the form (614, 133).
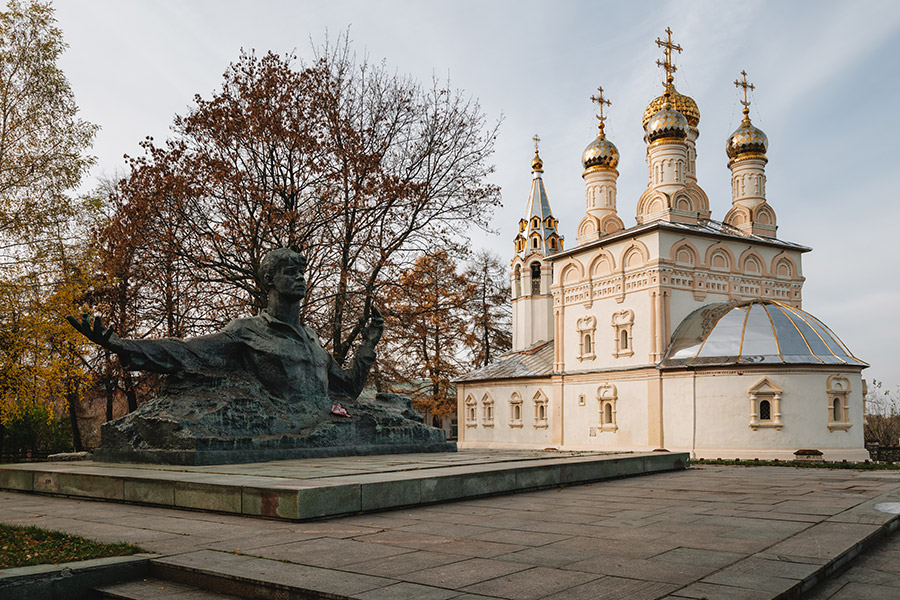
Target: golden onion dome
(600, 153)
(666, 123)
(746, 139)
(537, 165)
(683, 104)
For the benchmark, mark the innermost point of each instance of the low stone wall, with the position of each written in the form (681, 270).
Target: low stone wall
(884, 453)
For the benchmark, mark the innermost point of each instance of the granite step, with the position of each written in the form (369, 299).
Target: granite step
(157, 589)
(245, 576)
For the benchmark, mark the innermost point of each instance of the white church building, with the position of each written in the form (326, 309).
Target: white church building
(680, 332)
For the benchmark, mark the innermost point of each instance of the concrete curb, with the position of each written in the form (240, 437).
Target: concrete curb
(70, 580)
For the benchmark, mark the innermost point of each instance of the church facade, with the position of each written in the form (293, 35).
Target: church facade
(680, 332)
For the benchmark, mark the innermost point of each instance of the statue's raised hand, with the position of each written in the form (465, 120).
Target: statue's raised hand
(374, 329)
(96, 332)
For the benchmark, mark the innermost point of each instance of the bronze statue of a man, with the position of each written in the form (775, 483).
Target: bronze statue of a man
(275, 347)
(261, 387)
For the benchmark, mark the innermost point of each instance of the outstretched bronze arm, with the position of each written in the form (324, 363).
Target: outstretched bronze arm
(98, 333)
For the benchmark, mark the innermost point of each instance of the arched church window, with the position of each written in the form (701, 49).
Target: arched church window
(535, 241)
(838, 403)
(535, 222)
(622, 323)
(471, 414)
(765, 410)
(540, 410)
(586, 328)
(487, 404)
(553, 243)
(765, 405)
(607, 395)
(535, 278)
(515, 410)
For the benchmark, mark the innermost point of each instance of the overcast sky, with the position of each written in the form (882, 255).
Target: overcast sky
(826, 76)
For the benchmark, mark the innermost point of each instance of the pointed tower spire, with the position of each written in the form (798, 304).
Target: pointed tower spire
(599, 159)
(538, 232)
(746, 149)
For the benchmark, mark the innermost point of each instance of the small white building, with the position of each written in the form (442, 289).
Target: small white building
(681, 332)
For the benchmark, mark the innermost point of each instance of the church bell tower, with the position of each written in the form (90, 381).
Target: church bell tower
(530, 273)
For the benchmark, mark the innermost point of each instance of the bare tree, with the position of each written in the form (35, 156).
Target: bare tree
(489, 311)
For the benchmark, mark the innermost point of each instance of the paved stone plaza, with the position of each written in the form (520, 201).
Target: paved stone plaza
(708, 532)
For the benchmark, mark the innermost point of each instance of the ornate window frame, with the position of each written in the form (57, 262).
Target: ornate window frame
(622, 322)
(765, 391)
(607, 394)
(587, 337)
(487, 410)
(471, 412)
(541, 409)
(838, 387)
(515, 410)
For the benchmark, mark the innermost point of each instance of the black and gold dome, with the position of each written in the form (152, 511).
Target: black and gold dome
(746, 139)
(683, 104)
(666, 123)
(600, 153)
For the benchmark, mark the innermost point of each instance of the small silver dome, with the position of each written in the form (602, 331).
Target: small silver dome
(746, 139)
(600, 153)
(755, 332)
(666, 123)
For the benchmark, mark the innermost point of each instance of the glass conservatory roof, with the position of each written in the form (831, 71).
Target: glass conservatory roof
(755, 332)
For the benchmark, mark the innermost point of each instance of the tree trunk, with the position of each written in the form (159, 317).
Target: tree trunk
(130, 395)
(72, 401)
(110, 398)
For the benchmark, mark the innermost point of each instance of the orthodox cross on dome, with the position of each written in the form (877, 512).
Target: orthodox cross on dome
(747, 86)
(537, 165)
(668, 65)
(600, 100)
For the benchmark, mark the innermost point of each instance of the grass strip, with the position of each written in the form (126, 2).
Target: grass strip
(856, 466)
(26, 546)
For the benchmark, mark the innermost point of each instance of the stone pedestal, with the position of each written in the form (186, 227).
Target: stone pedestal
(229, 430)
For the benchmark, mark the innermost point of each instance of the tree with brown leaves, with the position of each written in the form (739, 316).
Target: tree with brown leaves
(427, 331)
(361, 168)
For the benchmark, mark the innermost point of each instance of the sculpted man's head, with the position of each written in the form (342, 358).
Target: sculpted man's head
(282, 271)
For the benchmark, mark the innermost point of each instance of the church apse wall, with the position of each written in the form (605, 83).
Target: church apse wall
(765, 414)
